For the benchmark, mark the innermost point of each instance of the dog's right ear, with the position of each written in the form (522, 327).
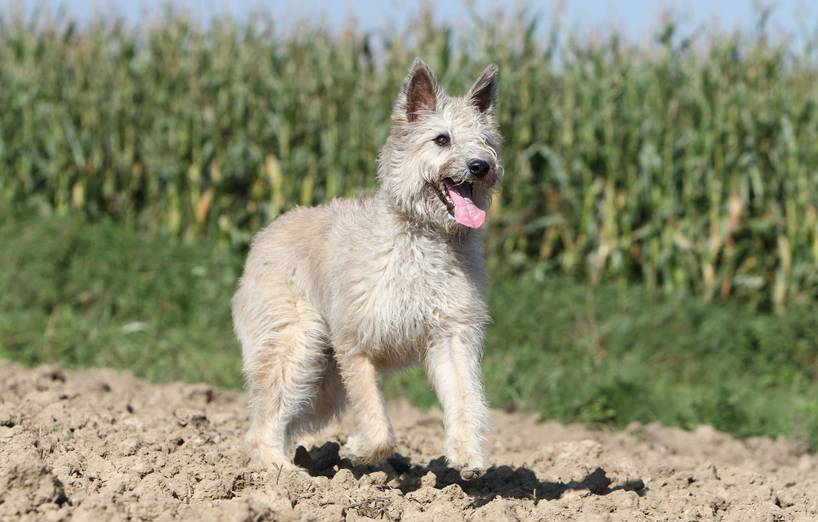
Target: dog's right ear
(419, 92)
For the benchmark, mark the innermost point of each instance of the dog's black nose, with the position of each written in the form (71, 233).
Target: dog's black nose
(479, 167)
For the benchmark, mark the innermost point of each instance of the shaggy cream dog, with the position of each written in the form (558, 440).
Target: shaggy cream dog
(335, 294)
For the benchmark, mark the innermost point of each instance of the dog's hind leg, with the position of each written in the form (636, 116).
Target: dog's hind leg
(329, 402)
(285, 355)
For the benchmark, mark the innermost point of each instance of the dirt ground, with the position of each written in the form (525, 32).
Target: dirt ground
(103, 445)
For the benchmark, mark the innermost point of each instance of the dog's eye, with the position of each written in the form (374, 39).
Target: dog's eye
(442, 140)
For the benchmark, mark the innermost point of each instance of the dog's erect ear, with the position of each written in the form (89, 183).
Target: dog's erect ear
(420, 90)
(483, 94)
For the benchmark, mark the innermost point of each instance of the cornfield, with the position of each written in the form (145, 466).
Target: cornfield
(687, 164)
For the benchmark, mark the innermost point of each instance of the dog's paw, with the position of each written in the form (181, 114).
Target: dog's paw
(469, 468)
(364, 451)
(266, 457)
(277, 467)
(471, 473)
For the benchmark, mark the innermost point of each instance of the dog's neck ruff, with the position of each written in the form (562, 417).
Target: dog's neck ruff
(410, 223)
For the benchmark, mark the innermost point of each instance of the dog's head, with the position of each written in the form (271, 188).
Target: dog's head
(441, 162)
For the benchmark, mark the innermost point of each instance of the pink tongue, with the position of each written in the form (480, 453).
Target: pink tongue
(465, 211)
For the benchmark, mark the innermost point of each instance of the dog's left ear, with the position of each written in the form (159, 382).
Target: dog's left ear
(483, 94)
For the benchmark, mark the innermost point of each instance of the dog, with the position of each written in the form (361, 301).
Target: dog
(333, 295)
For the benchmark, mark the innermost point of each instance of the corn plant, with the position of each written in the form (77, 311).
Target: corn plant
(688, 165)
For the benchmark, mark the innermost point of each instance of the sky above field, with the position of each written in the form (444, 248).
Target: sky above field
(635, 17)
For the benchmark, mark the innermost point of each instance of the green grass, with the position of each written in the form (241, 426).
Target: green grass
(102, 295)
(614, 355)
(85, 294)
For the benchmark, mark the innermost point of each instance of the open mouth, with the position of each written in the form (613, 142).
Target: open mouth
(458, 200)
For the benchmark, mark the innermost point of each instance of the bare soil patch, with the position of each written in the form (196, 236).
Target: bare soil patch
(103, 445)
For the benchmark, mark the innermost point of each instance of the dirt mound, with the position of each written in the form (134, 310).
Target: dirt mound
(99, 445)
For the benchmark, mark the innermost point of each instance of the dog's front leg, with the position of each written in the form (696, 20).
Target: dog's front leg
(453, 366)
(374, 439)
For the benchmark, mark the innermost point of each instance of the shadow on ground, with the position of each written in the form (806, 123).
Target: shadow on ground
(498, 481)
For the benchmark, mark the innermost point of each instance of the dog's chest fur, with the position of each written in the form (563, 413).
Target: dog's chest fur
(396, 295)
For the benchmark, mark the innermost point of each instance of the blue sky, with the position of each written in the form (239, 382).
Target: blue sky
(634, 16)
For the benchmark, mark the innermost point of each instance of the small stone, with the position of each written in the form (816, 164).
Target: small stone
(129, 446)
(572, 494)
(453, 491)
(142, 468)
(321, 481)
(378, 478)
(344, 476)
(429, 480)
(8, 417)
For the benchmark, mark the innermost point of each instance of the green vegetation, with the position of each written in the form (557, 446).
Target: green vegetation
(686, 165)
(102, 295)
(654, 250)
